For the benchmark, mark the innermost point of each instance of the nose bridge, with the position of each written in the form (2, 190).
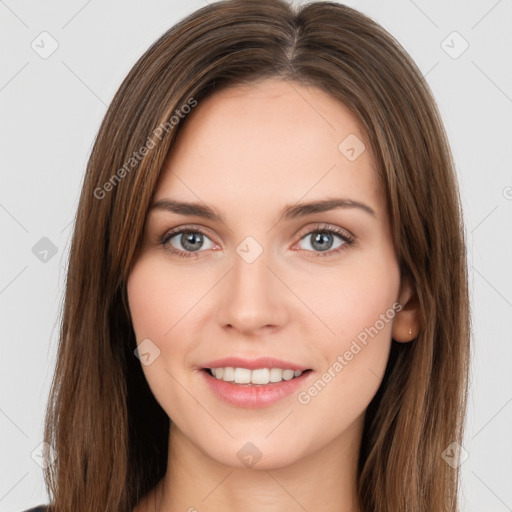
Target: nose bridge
(252, 296)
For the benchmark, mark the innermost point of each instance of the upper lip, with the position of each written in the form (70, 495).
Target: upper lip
(253, 364)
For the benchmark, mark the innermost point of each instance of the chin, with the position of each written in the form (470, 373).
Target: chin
(257, 453)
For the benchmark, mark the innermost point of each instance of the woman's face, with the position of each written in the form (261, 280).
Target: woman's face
(267, 280)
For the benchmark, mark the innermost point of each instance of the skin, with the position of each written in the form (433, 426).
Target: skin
(248, 152)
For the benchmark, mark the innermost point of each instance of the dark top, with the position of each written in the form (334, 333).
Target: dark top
(40, 508)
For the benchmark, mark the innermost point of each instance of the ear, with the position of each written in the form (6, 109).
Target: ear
(406, 324)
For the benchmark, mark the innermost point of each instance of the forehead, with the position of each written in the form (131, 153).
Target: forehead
(277, 139)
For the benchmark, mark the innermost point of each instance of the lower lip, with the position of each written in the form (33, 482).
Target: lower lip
(255, 395)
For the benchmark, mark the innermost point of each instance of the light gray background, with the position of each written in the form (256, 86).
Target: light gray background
(51, 110)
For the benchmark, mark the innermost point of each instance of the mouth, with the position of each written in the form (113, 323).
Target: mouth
(260, 387)
(256, 377)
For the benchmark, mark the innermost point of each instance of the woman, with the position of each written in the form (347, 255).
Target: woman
(266, 305)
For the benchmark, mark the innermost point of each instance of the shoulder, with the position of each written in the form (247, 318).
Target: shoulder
(40, 508)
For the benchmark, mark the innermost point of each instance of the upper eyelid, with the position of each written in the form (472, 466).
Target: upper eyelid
(169, 233)
(324, 226)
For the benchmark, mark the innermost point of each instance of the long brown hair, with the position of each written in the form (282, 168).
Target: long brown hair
(109, 432)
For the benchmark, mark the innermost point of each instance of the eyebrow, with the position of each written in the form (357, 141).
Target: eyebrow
(292, 211)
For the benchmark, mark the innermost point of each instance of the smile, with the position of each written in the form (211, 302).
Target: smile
(259, 376)
(242, 391)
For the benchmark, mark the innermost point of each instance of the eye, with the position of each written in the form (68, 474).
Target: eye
(322, 241)
(190, 239)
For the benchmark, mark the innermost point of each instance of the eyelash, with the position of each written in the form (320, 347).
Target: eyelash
(349, 240)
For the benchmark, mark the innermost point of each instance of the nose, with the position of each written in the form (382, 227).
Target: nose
(252, 298)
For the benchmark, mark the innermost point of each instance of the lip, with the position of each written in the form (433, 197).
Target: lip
(255, 395)
(253, 364)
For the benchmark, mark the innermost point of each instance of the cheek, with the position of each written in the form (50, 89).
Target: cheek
(145, 298)
(152, 301)
(165, 304)
(155, 310)
(356, 304)
(159, 298)
(352, 296)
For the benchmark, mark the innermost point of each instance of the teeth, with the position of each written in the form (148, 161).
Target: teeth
(242, 375)
(276, 375)
(259, 376)
(288, 374)
(227, 374)
(218, 372)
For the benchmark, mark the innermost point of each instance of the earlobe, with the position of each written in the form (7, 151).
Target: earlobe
(406, 323)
